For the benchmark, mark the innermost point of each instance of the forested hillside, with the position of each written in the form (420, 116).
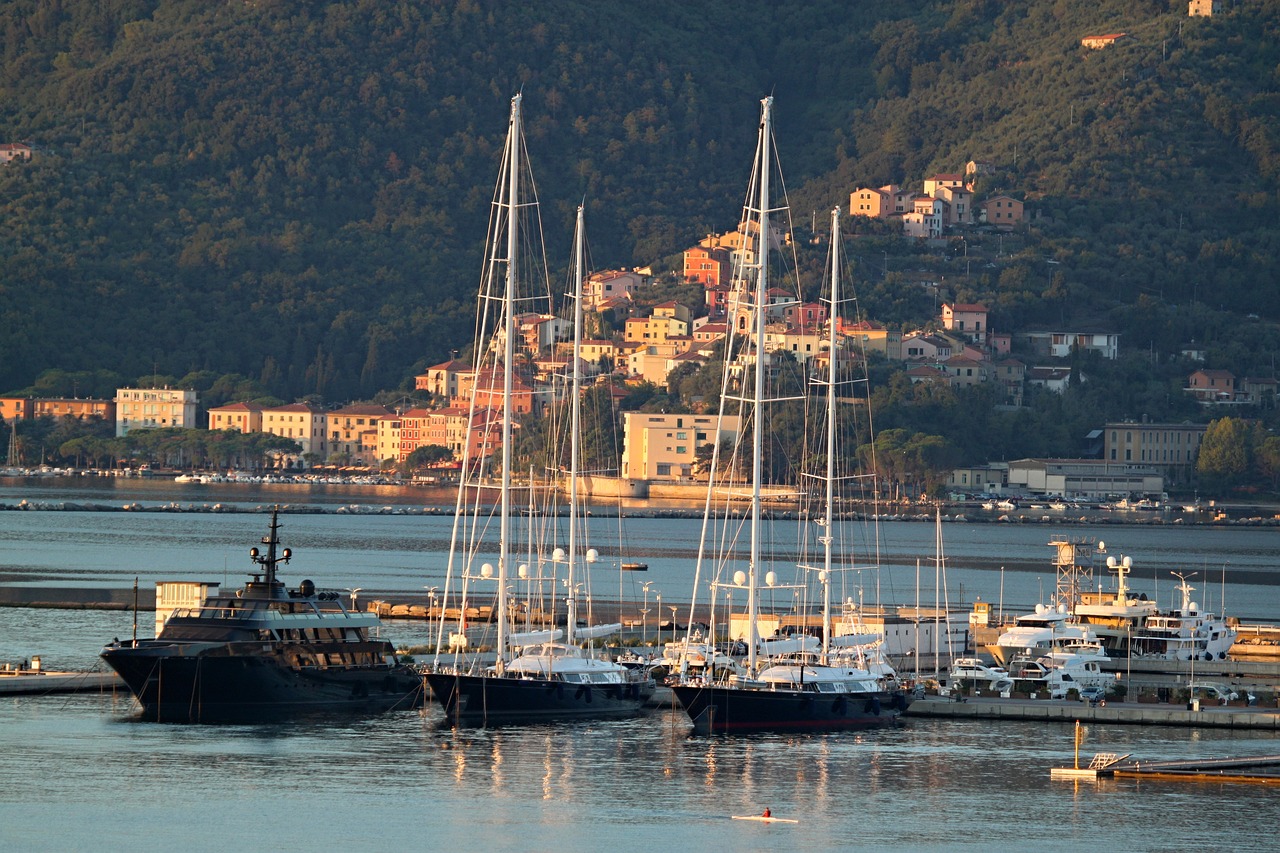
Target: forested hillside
(297, 191)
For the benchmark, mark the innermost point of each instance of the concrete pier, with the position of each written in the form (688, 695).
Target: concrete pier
(27, 683)
(1113, 713)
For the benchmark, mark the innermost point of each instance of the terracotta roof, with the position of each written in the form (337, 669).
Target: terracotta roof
(296, 407)
(238, 407)
(363, 409)
(451, 364)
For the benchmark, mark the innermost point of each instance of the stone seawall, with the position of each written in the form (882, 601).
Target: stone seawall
(77, 598)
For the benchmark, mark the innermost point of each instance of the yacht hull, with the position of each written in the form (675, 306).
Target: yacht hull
(494, 700)
(717, 709)
(175, 686)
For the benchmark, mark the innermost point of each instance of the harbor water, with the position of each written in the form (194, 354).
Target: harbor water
(81, 773)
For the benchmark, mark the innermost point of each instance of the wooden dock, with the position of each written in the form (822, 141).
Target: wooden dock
(1258, 769)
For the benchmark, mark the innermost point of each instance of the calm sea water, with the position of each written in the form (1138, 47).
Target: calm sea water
(80, 773)
(1236, 568)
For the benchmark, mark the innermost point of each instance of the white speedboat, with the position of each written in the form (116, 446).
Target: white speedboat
(1060, 672)
(977, 671)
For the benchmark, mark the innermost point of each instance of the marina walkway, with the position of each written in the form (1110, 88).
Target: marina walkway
(1119, 713)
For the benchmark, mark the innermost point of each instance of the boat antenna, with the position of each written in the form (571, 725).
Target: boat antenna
(269, 560)
(135, 611)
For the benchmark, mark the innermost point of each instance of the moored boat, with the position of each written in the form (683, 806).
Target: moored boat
(806, 690)
(1185, 633)
(977, 671)
(30, 677)
(540, 675)
(265, 652)
(1037, 633)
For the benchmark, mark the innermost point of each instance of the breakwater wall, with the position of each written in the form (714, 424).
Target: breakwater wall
(951, 513)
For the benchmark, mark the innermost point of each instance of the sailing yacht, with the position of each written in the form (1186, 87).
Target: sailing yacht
(538, 675)
(810, 688)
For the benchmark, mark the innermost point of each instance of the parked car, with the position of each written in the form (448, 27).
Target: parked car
(1093, 695)
(1217, 692)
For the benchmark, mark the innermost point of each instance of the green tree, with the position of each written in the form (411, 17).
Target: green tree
(424, 457)
(1227, 452)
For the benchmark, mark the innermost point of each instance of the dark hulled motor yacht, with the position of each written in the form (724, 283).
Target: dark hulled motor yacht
(265, 652)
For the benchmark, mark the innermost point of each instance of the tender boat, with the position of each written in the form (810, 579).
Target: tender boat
(265, 652)
(30, 677)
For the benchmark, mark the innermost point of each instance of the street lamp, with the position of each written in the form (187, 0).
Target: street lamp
(728, 615)
(354, 594)
(658, 598)
(644, 615)
(431, 596)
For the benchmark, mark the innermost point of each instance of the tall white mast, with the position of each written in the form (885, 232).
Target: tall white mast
(757, 437)
(575, 404)
(834, 309)
(508, 358)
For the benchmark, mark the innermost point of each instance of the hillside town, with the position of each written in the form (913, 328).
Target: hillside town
(638, 339)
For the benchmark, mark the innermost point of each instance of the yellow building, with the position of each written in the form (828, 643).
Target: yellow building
(871, 336)
(354, 431)
(668, 320)
(1169, 448)
(389, 441)
(659, 446)
(243, 417)
(301, 422)
(154, 408)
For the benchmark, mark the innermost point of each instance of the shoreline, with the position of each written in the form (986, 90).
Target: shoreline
(951, 513)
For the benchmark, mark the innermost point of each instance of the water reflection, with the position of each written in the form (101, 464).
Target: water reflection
(631, 784)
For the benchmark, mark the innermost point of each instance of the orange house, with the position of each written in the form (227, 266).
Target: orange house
(1099, 42)
(17, 408)
(487, 390)
(61, 407)
(1001, 211)
(707, 265)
